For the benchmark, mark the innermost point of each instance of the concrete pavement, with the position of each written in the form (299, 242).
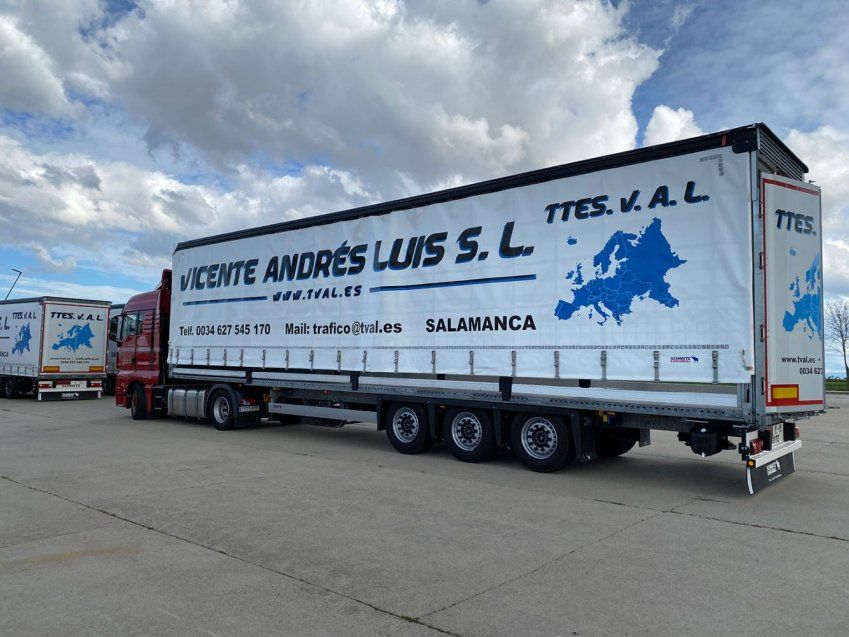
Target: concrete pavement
(111, 526)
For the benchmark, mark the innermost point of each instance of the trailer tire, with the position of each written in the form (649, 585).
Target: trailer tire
(469, 434)
(108, 387)
(542, 443)
(610, 443)
(10, 389)
(407, 428)
(222, 410)
(138, 403)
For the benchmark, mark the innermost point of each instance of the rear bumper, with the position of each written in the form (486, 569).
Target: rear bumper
(69, 389)
(765, 457)
(60, 393)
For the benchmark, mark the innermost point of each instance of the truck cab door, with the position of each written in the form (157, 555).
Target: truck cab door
(127, 341)
(144, 340)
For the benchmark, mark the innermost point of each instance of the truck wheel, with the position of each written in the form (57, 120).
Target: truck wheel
(407, 428)
(10, 389)
(138, 403)
(222, 411)
(610, 443)
(469, 434)
(542, 443)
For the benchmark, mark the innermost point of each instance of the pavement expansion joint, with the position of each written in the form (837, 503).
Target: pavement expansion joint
(759, 526)
(545, 564)
(406, 618)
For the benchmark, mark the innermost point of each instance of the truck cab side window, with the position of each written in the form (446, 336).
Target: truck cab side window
(129, 326)
(114, 322)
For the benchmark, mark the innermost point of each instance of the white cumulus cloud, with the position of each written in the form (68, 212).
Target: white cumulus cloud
(70, 210)
(27, 79)
(376, 87)
(826, 152)
(669, 125)
(184, 119)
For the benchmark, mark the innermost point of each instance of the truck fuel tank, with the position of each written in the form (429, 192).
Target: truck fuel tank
(188, 403)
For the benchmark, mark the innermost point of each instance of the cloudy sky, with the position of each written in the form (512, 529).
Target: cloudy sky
(127, 126)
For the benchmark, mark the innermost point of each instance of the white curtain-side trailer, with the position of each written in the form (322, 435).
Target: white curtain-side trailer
(563, 313)
(53, 347)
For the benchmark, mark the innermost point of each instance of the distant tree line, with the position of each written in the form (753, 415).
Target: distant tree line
(837, 330)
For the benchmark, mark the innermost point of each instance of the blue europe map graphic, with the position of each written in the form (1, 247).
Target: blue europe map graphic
(77, 336)
(22, 340)
(806, 301)
(639, 264)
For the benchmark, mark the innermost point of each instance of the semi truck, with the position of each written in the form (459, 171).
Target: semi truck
(53, 347)
(562, 314)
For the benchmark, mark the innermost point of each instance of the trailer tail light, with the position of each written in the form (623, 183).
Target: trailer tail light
(48, 369)
(95, 368)
(96, 384)
(45, 384)
(756, 446)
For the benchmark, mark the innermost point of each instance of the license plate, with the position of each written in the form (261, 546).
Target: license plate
(71, 384)
(777, 435)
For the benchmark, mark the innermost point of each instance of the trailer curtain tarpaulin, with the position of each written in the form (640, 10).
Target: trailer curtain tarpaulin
(633, 273)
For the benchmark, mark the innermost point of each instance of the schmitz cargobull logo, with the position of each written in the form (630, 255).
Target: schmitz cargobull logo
(683, 359)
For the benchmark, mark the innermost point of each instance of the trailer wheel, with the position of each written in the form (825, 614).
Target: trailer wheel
(108, 388)
(469, 434)
(222, 411)
(610, 443)
(542, 443)
(138, 403)
(407, 428)
(10, 389)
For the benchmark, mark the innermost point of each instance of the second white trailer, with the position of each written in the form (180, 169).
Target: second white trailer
(53, 347)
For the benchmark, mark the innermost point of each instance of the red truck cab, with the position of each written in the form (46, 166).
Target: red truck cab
(143, 348)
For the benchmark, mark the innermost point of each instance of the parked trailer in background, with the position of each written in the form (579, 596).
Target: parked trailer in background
(112, 349)
(563, 313)
(53, 347)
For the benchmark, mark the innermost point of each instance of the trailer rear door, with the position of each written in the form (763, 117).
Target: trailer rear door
(74, 338)
(20, 335)
(793, 295)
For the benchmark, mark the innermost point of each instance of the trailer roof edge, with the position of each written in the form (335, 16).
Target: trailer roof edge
(53, 299)
(743, 138)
